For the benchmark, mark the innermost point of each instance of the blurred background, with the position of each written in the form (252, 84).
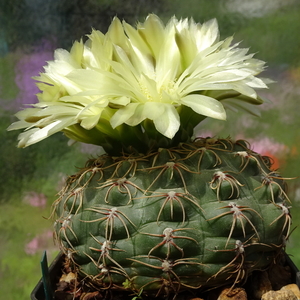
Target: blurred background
(30, 178)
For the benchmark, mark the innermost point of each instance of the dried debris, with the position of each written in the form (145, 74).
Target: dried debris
(233, 294)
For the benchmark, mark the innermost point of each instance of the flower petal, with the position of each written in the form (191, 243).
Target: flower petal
(123, 114)
(204, 105)
(90, 121)
(36, 135)
(169, 122)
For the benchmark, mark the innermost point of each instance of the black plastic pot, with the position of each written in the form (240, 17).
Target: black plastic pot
(45, 288)
(295, 271)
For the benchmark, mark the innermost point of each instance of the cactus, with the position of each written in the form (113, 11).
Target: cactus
(162, 211)
(192, 216)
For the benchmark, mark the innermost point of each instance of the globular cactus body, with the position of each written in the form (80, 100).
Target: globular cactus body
(193, 216)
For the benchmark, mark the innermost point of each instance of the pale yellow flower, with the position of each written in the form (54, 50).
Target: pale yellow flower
(135, 75)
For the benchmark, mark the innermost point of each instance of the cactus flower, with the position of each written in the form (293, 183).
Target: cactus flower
(152, 77)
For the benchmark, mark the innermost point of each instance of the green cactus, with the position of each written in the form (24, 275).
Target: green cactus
(161, 212)
(192, 216)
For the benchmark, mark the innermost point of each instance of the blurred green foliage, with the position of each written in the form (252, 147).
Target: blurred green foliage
(19, 272)
(26, 26)
(277, 43)
(25, 22)
(8, 88)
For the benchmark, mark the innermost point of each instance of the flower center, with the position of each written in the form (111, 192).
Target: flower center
(156, 92)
